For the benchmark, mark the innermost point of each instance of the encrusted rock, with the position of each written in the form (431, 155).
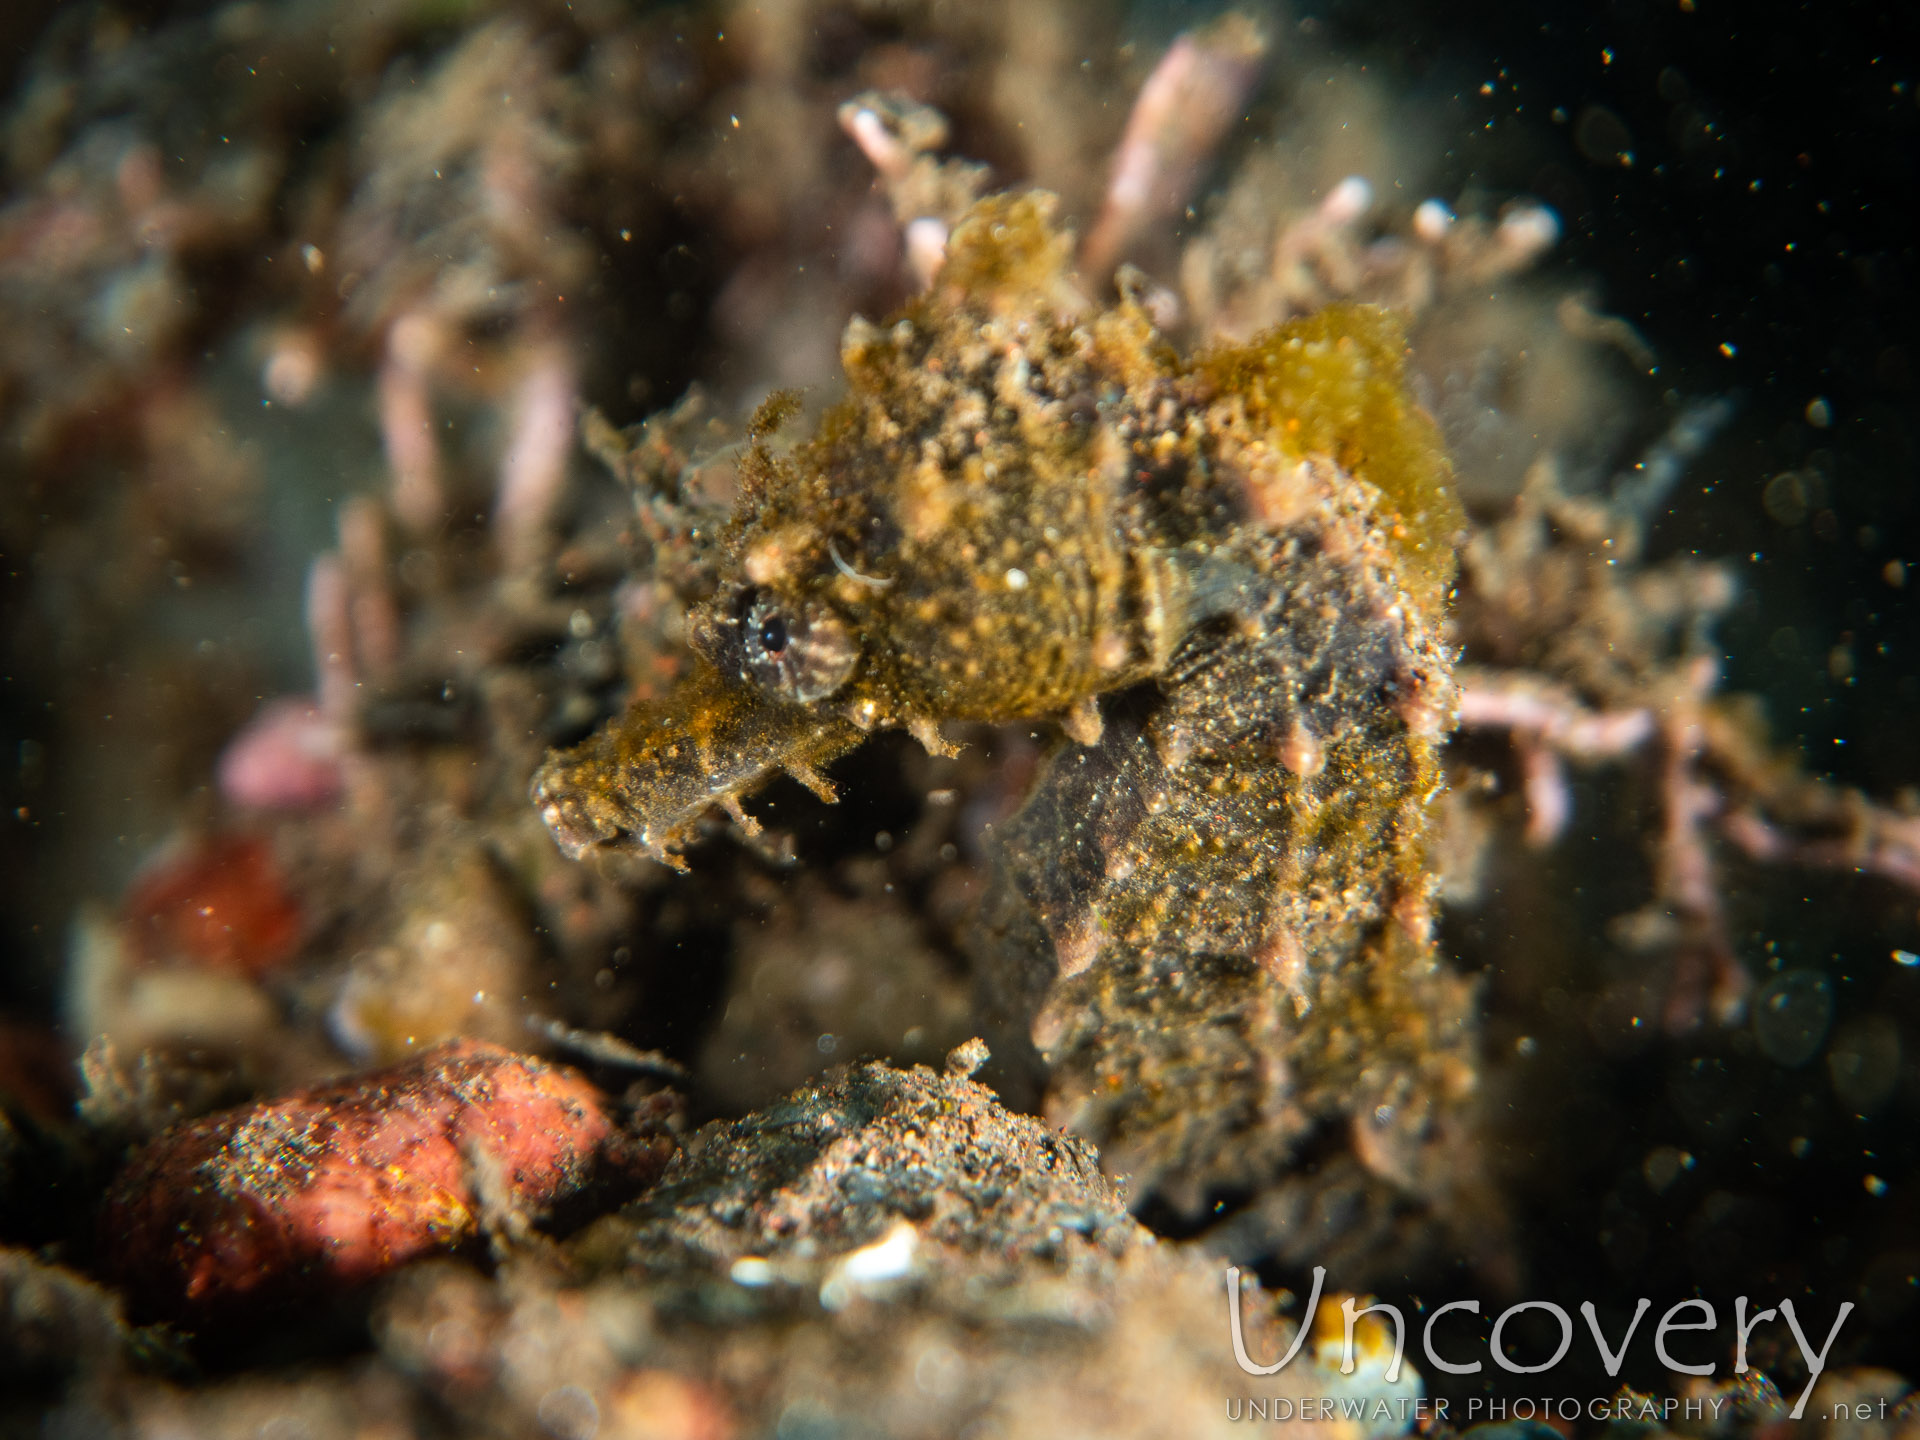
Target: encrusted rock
(326, 1188)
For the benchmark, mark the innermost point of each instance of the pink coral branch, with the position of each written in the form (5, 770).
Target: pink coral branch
(1707, 974)
(886, 151)
(1883, 844)
(533, 472)
(1183, 110)
(288, 757)
(406, 424)
(330, 631)
(1549, 803)
(1549, 725)
(1552, 717)
(295, 753)
(373, 614)
(1320, 246)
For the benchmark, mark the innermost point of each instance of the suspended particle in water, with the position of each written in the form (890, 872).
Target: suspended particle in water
(1791, 1016)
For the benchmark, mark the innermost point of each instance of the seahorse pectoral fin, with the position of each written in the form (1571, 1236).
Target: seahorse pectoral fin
(1172, 591)
(1159, 582)
(1217, 586)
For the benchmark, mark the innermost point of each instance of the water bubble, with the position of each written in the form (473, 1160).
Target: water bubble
(1663, 1166)
(1890, 1285)
(1791, 1016)
(939, 1372)
(1603, 137)
(1785, 498)
(1864, 1061)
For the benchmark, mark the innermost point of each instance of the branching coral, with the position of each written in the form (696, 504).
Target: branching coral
(1581, 652)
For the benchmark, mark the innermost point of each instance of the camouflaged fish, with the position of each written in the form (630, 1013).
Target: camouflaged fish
(1024, 503)
(1210, 922)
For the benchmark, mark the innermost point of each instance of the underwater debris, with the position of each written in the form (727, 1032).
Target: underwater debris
(833, 1166)
(53, 1321)
(331, 1186)
(886, 1251)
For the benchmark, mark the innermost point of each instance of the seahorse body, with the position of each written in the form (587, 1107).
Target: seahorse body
(1214, 924)
(1212, 914)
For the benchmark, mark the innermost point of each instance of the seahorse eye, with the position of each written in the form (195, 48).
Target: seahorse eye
(799, 651)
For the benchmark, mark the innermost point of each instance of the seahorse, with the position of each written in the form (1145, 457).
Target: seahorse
(1224, 576)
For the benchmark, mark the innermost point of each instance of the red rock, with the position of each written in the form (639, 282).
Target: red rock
(334, 1185)
(221, 904)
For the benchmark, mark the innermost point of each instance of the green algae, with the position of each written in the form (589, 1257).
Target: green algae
(1332, 384)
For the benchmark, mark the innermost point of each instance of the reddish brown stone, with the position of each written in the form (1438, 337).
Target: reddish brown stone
(332, 1186)
(221, 904)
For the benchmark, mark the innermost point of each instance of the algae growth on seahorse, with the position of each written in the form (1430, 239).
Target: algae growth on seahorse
(1224, 576)
(1019, 508)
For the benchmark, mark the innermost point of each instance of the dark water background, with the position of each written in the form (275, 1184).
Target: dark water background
(1768, 208)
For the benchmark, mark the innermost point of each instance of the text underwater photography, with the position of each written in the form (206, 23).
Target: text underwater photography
(1359, 1345)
